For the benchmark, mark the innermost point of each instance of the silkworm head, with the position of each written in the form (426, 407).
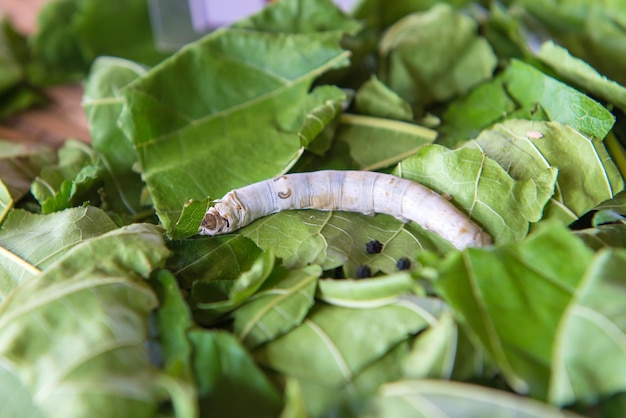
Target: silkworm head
(213, 223)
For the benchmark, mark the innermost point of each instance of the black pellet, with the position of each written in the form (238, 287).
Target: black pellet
(363, 271)
(403, 263)
(373, 247)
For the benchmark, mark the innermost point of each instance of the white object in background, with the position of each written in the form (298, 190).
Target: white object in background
(351, 191)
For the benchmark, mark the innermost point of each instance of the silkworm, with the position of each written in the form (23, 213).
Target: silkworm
(352, 191)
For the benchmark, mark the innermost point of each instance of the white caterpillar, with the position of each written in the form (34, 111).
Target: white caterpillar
(352, 191)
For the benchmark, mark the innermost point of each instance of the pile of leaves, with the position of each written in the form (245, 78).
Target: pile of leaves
(111, 305)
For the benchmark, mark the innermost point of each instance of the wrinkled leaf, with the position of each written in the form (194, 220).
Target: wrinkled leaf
(428, 398)
(335, 342)
(526, 149)
(381, 14)
(31, 242)
(103, 102)
(71, 182)
(227, 375)
(96, 297)
(424, 61)
(333, 239)
(524, 92)
(365, 293)
(482, 188)
(241, 82)
(578, 73)
(376, 143)
(374, 98)
(280, 305)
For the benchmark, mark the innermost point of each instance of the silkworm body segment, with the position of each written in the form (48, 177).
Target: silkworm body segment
(352, 191)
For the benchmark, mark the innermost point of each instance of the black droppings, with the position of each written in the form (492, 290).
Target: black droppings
(373, 247)
(363, 271)
(338, 273)
(403, 263)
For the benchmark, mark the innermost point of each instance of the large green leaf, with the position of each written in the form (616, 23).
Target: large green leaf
(95, 297)
(280, 305)
(533, 312)
(376, 143)
(333, 239)
(31, 242)
(424, 61)
(482, 188)
(522, 91)
(230, 384)
(527, 148)
(430, 398)
(197, 119)
(103, 103)
(334, 344)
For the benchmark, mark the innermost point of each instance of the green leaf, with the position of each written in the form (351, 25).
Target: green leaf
(300, 16)
(206, 295)
(524, 92)
(526, 149)
(593, 314)
(96, 297)
(374, 98)
(578, 73)
(564, 306)
(294, 400)
(211, 258)
(365, 293)
(71, 34)
(173, 322)
(71, 182)
(376, 143)
(482, 188)
(611, 235)
(20, 164)
(230, 384)
(593, 31)
(464, 59)
(103, 102)
(424, 398)
(334, 344)
(280, 305)
(31, 242)
(333, 239)
(241, 82)
(433, 352)
(12, 55)
(381, 14)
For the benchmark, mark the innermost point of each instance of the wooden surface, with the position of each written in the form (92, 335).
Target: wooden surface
(64, 117)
